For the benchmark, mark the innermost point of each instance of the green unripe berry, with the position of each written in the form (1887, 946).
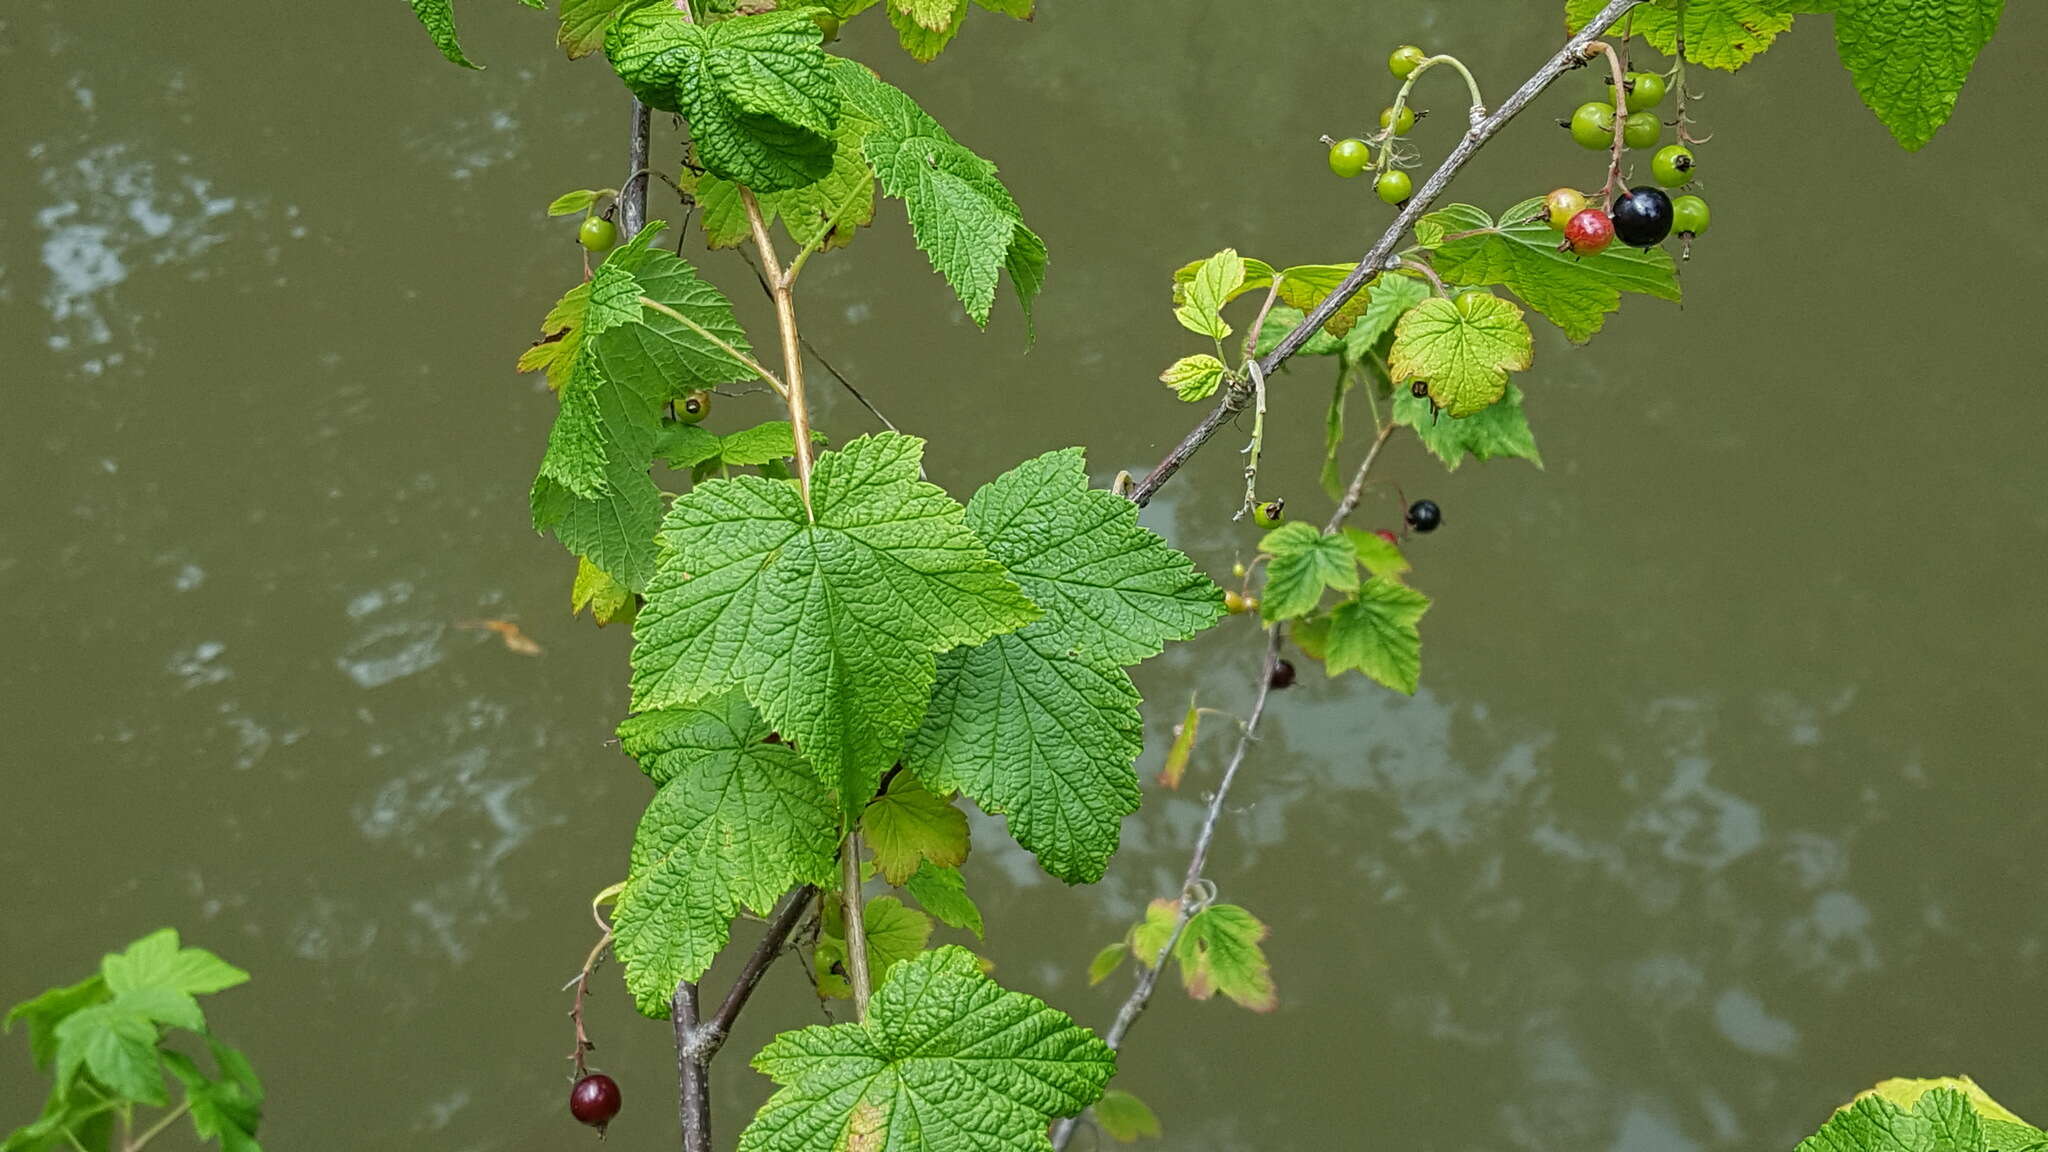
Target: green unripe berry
(1402, 125)
(1394, 186)
(1642, 130)
(1406, 59)
(694, 407)
(1593, 126)
(1269, 514)
(1349, 157)
(597, 234)
(1672, 165)
(1689, 216)
(1645, 91)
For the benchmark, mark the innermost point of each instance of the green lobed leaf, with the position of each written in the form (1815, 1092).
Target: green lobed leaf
(1374, 632)
(1378, 556)
(1193, 378)
(962, 217)
(594, 589)
(561, 338)
(825, 213)
(1305, 563)
(1722, 34)
(116, 1043)
(73, 1117)
(830, 626)
(947, 1061)
(570, 203)
(584, 23)
(1125, 1118)
(1258, 276)
(594, 490)
(943, 893)
(438, 18)
(1043, 726)
(44, 1012)
(922, 41)
(907, 826)
(895, 933)
(157, 961)
(1305, 286)
(1215, 283)
(1282, 319)
(735, 823)
(226, 1108)
(760, 101)
(1520, 254)
(1149, 936)
(1498, 430)
(1942, 1121)
(1909, 58)
(1463, 349)
(1219, 952)
(1392, 296)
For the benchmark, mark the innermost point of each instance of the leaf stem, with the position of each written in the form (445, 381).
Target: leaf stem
(725, 346)
(792, 348)
(1620, 114)
(856, 925)
(1233, 401)
(156, 1129)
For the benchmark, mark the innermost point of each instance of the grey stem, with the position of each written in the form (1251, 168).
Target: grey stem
(633, 193)
(1572, 55)
(693, 1071)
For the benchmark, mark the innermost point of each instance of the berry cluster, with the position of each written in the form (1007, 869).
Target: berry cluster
(1643, 216)
(1351, 156)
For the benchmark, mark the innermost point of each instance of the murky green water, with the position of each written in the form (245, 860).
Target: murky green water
(1720, 801)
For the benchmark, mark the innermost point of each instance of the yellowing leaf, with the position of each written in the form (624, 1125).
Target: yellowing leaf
(1193, 377)
(1463, 349)
(907, 825)
(1307, 285)
(1183, 747)
(1219, 952)
(1149, 936)
(1215, 282)
(593, 589)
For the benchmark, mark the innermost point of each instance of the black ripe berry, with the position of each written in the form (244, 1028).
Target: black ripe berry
(1283, 675)
(1419, 389)
(1642, 219)
(1425, 516)
(595, 1100)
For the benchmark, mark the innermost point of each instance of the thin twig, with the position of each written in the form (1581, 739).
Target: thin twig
(582, 982)
(156, 1129)
(711, 1037)
(1572, 55)
(1620, 116)
(693, 1071)
(1356, 492)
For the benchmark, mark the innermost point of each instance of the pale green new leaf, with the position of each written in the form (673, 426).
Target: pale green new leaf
(829, 627)
(1125, 1118)
(594, 589)
(962, 217)
(157, 961)
(1193, 377)
(1107, 961)
(907, 825)
(1043, 726)
(1520, 253)
(1375, 632)
(1718, 33)
(570, 203)
(1375, 554)
(226, 1108)
(584, 23)
(895, 933)
(1305, 286)
(1149, 936)
(1500, 429)
(943, 893)
(1463, 349)
(116, 1042)
(1258, 276)
(755, 89)
(438, 18)
(947, 1061)
(1304, 564)
(1909, 58)
(44, 1012)
(1219, 952)
(736, 822)
(1183, 747)
(1392, 295)
(1216, 281)
(1282, 319)
(561, 338)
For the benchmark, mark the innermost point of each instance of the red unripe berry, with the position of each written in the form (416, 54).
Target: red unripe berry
(1589, 232)
(595, 1100)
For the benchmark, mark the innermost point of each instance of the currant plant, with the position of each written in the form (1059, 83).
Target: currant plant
(1950, 1114)
(110, 1041)
(830, 652)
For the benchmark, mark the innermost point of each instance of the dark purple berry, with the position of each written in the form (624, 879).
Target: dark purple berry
(1283, 675)
(1419, 389)
(1425, 516)
(595, 1100)
(1642, 219)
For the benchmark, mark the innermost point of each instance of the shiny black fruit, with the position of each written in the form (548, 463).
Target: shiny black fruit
(1425, 516)
(1642, 219)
